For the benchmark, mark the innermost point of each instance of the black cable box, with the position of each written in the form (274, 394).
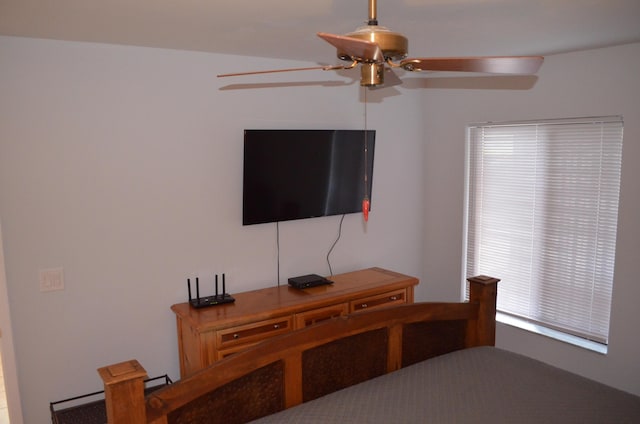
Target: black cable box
(309, 280)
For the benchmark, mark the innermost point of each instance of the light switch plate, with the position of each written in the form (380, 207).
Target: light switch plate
(51, 279)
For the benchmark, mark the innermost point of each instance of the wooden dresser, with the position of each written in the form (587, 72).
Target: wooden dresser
(206, 335)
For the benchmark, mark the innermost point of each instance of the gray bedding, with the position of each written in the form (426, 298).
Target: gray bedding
(479, 385)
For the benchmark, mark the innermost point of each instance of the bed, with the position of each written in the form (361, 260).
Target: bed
(417, 363)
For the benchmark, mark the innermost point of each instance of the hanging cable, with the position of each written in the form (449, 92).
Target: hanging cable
(365, 201)
(278, 250)
(334, 244)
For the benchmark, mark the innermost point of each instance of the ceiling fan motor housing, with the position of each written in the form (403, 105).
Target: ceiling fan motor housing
(394, 45)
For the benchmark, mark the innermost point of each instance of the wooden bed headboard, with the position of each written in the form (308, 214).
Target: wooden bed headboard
(305, 364)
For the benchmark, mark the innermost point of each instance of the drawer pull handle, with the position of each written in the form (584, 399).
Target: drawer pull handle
(236, 336)
(364, 305)
(393, 298)
(276, 326)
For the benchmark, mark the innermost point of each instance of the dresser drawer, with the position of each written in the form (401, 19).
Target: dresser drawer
(303, 319)
(252, 333)
(223, 353)
(385, 299)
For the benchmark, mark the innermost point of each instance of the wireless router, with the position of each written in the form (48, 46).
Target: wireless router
(216, 299)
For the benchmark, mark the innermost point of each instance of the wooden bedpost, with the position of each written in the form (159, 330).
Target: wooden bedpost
(124, 392)
(483, 290)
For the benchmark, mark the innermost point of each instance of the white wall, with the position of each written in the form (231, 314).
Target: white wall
(124, 166)
(588, 83)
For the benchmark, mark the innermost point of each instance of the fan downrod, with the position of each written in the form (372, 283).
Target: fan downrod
(394, 46)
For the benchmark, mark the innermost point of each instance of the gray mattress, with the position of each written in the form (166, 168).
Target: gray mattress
(479, 385)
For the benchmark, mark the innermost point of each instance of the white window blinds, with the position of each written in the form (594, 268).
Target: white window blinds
(542, 213)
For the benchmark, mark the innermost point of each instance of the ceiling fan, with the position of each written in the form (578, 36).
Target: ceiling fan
(376, 49)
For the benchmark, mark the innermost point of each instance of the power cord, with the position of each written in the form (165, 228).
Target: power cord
(334, 244)
(278, 250)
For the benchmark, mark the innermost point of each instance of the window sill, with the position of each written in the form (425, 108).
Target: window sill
(554, 334)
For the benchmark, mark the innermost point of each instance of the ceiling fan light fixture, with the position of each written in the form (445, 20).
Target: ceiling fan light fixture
(371, 74)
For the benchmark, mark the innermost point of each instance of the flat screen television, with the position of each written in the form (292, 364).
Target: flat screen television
(297, 174)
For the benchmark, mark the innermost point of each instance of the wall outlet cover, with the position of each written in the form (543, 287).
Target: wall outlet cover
(51, 279)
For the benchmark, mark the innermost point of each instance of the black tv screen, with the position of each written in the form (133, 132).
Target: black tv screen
(296, 174)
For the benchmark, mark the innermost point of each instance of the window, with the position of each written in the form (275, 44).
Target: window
(542, 212)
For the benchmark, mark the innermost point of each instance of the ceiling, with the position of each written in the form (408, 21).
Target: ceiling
(286, 28)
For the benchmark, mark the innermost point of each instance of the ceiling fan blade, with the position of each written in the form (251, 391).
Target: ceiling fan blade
(350, 48)
(272, 71)
(488, 64)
